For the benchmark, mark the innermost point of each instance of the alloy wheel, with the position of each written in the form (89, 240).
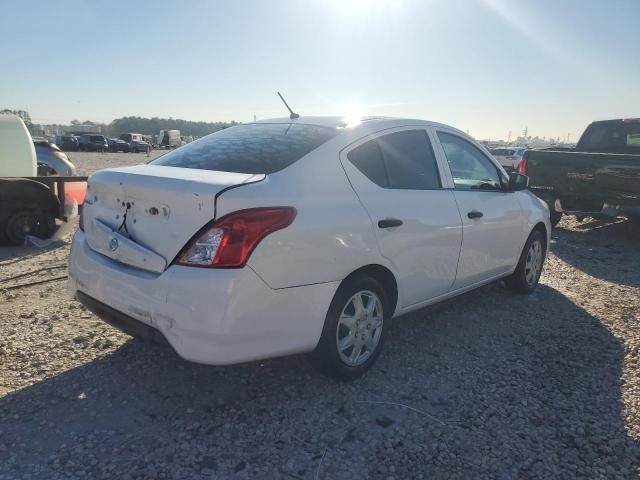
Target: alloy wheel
(359, 328)
(533, 262)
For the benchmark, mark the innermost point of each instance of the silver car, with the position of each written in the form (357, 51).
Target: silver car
(55, 160)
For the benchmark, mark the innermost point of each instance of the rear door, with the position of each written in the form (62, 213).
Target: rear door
(492, 218)
(396, 176)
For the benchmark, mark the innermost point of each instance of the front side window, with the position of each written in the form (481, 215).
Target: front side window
(251, 148)
(470, 168)
(401, 160)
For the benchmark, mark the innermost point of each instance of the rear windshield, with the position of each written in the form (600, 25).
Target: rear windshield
(503, 151)
(96, 137)
(613, 136)
(251, 148)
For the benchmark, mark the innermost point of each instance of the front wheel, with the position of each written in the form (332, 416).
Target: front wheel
(353, 332)
(527, 274)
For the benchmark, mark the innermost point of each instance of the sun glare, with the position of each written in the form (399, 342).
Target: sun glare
(352, 115)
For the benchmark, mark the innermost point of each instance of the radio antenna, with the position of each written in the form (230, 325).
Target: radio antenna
(293, 115)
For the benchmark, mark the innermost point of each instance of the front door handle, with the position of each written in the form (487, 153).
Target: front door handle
(389, 223)
(475, 214)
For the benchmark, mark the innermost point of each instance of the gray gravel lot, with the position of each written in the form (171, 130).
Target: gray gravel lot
(487, 385)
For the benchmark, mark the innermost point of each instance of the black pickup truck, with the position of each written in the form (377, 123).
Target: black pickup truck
(600, 176)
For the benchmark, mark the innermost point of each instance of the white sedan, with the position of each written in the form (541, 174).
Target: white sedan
(509, 157)
(302, 235)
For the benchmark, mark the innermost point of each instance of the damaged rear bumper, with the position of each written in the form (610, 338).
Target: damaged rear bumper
(210, 316)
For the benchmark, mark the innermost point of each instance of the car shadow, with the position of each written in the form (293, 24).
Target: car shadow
(531, 389)
(602, 248)
(10, 254)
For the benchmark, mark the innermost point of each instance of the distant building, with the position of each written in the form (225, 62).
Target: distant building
(80, 129)
(40, 130)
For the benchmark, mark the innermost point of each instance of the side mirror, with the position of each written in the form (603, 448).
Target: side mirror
(518, 182)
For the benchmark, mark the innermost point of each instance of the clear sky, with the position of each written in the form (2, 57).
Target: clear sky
(487, 66)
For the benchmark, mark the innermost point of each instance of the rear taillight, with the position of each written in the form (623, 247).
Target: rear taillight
(522, 167)
(228, 242)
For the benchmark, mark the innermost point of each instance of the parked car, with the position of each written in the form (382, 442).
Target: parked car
(509, 157)
(129, 137)
(136, 146)
(29, 204)
(93, 142)
(600, 176)
(117, 145)
(169, 139)
(68, 143)
(49, 154)
(305, 235)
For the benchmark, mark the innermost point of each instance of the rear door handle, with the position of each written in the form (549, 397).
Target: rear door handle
(389, 223)
(474, 214)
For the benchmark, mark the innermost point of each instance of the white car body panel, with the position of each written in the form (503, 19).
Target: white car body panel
(331, 235)
(276, 304)
(492, 244)
(206, 316)
(165, 206)
(424, 251)
(103, 239)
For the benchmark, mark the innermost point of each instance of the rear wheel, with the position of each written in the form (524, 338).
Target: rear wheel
(525, 278)
(353, 332)
(21, 224)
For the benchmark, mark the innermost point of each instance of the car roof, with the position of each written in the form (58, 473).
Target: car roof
(366, 123)
(617, 120)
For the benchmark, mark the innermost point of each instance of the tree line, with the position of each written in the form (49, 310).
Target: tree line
(150, 126)
(146, 126)
(26, 118)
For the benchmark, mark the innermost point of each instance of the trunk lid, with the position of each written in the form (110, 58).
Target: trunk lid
(164, 207)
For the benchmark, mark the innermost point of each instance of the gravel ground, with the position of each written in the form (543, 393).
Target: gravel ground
(88, 162)
(487, 385)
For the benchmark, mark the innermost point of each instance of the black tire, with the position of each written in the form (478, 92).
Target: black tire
(522, 280)
(21, 224)
(555, 218)
(326, 357)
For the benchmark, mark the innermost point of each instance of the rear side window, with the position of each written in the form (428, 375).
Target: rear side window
(401, 160)
(503, 152)
(368, 159)
(251, 148)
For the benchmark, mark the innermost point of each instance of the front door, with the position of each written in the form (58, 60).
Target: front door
(417, 222)
(491, 217)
